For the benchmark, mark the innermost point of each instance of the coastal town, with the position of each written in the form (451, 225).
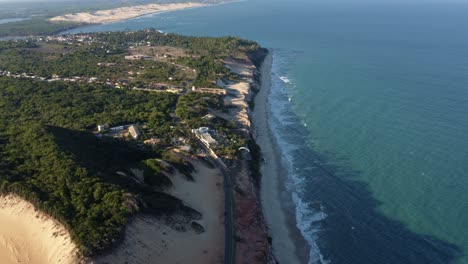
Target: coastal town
(233, 132)
(175, 108)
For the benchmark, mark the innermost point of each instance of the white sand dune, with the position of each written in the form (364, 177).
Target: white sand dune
(30, 236)
(239, 94)
(122, 13)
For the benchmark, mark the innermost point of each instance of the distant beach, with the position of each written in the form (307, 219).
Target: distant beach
(122, 13)
(10, 20)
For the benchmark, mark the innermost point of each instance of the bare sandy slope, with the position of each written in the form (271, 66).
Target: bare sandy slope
(239, 94)
(29, 236)
(122, 13)
(149, 241)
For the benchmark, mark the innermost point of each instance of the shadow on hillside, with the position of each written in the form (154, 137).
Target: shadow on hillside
(103, 157)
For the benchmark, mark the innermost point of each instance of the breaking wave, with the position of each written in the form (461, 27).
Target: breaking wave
(289, 133)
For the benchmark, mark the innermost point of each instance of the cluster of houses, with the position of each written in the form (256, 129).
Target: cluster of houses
(119, 83)
(138, 57)
(86, 38)
(22, 75)
(133, 132)
(54, 78)
(69, 39)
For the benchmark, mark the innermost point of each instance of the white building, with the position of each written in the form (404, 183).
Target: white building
(134, 132)
(203, 133)
(101, 128)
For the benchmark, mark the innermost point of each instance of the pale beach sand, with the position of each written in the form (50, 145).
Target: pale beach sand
(280, 220)
(147, 240)
(30, 236)
(122, 13)
(239, 93)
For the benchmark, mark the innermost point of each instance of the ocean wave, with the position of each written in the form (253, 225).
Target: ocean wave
(285, 79)
(288, 131)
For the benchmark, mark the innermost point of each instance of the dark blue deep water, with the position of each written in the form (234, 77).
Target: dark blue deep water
(370, 108)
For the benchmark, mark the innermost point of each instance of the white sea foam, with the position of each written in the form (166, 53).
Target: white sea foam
(308, 217)
(285, 79)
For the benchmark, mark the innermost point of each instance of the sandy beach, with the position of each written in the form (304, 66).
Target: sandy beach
(279, 218)
(30, 236)
(122, 13)
(148, 240)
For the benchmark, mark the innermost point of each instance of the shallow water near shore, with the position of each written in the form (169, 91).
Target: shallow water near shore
(369, 108)
(9, 20)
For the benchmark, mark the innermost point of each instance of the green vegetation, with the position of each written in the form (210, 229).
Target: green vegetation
(209, 70)
(34, 27)
(49, 154)
(70, 174)
(80, 105)
(102, 55)
(191, 107)
(153, 173)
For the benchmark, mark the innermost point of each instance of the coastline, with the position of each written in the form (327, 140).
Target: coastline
(168, 11)
(288, 244)
(123, 13)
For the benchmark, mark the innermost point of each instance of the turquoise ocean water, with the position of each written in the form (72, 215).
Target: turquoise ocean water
(370, 109)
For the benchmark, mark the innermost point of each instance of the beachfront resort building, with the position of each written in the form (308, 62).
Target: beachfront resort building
(203, 134)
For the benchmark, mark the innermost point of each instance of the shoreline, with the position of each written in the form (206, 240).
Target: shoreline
(85, 25)
(167, 11)
(251, 241)
(115, 15)
(289, 245)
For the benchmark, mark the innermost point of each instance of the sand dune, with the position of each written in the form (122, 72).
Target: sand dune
(122, 13)
(148, 240)
(29, 236)
(239, 94)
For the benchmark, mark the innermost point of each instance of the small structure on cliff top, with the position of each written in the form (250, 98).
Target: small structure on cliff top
(203, 133)
(134, 132)
(209, 117)
(102, 128)
(153, 141)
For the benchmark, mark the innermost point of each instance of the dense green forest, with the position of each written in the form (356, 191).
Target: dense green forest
(33, 27)
(49, 159)
(51, 155)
